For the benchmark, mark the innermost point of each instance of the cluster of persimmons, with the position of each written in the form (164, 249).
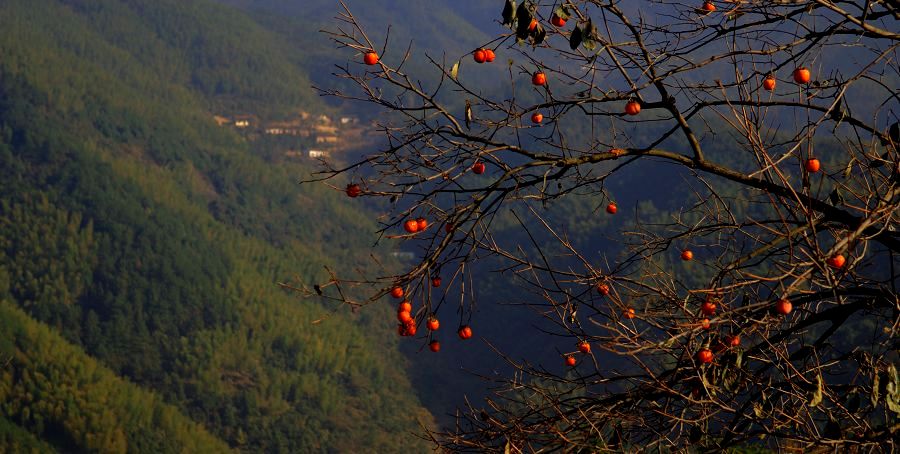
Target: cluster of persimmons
(408, 323)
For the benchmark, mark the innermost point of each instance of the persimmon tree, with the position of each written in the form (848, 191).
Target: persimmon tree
(782, 119)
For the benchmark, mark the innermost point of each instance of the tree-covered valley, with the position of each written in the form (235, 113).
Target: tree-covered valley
(164, 216)
(141, 245)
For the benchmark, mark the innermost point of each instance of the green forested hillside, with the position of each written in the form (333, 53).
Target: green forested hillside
(16, 439)
(152, 239)
(442, 31)
(55, 391)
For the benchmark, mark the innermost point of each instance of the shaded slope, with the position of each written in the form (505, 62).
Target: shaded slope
(153, 239)
(59, 393)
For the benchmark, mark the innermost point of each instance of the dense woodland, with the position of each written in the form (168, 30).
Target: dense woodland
(141, 246)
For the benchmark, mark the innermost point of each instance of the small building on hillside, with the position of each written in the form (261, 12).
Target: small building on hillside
(323, 129)
(327, 139)
(244, 121)
(289, 128)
